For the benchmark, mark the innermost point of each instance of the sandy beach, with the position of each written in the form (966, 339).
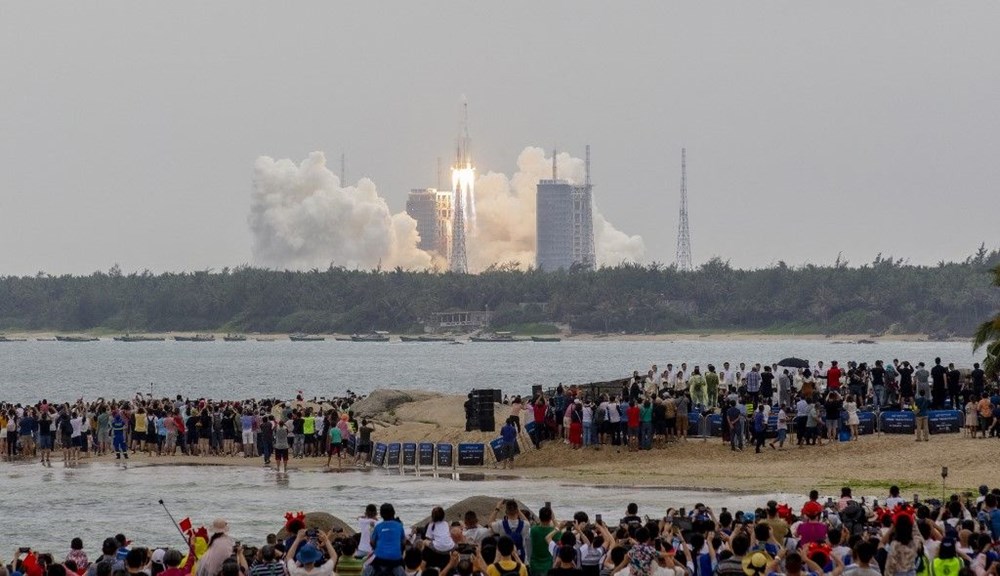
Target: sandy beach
(870, 464)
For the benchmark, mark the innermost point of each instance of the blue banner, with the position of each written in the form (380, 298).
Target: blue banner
(392, 459)
(445, 456)
(426, 454)
(866, 423)
(471, 454)
(902, 422)
(409, 454)
(378, 456)
(944, 421)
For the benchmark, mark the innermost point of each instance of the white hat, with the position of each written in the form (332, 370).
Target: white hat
(219, 525)
(158, 556)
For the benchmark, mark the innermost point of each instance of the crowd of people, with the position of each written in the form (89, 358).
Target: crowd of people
(269, 428)
(817, 404)
(847, 536)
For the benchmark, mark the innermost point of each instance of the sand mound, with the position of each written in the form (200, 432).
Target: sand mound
(483, 506)
(384, 400)
(321, 521)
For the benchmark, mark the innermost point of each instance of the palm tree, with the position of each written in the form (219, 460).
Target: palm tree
(989, 331)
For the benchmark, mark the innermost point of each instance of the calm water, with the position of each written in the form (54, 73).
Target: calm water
(94, 501)
(67, 371)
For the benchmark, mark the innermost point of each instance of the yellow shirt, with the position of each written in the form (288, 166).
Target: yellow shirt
(506, 566)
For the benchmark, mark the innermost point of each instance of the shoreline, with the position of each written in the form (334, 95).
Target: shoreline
(693, 336)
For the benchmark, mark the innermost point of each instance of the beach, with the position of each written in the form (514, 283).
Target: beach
(870, 465)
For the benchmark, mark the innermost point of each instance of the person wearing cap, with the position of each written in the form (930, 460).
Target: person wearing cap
(811, 529)
(220, 549)
(306, 559)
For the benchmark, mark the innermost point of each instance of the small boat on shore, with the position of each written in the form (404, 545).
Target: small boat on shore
(373, 336)
(234, 338)
(264, 339)
(496, 337)
(300, 337)
(546, 339)
(196, 338)
(426, 339)
(76, 339)
(6, 339)
(138, 338)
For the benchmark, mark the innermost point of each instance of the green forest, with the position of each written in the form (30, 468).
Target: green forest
(882, 297)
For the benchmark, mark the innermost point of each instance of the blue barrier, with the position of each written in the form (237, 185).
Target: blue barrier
(445, 456)
(902, 422)
(425, 454)
(471, 454)
(945, 421)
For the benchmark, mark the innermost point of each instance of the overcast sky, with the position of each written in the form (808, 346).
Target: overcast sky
(129, 130)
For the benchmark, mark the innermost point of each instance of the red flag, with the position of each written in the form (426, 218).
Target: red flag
(185, 525)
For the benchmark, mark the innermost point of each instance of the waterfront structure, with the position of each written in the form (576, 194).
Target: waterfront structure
(564, 225)
(432, 209)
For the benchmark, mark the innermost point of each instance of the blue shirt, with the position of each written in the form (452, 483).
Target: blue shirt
(509, 434)
(387, 540)
(995, 523)
(921, 403)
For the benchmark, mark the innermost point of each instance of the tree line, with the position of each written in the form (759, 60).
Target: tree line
(882, 297)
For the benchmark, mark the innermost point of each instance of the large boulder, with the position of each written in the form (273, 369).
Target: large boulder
(321, 521)
(483, 506)
(386, 400)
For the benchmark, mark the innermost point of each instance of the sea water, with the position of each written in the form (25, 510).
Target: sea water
(61, 371)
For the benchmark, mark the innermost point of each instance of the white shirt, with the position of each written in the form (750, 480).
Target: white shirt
(439, 533)
(77, 424)
(365, 526)
(295, 570)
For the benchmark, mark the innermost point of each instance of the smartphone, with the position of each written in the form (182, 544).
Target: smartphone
(548, 504)
(597, 518)
(23, 550)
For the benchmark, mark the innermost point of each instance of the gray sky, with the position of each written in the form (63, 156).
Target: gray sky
(129, 130)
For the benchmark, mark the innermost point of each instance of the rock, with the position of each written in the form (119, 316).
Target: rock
(483, 506)
(385, 400)
(321, 521)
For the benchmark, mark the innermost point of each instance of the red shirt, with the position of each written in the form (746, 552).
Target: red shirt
(633, 416)
(539, 410)
(833, 378)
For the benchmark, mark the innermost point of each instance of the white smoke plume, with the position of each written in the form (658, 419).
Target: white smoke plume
(505, 225)
(301, 217)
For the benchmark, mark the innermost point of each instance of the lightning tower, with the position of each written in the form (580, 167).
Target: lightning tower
(683, 233)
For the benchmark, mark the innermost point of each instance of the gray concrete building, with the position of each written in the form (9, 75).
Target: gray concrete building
(432, 208)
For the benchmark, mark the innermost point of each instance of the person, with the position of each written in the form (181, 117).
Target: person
(781, 427)
(971, 416)
(508, 437)
(632, 415)
(363, 451)
(851, 407)
(712, 382)
(77, 554)
(904, 546)
(833, 377)
(642, 556)
(268, 562)
(733, 417)
(759, 428)
(366, 524)
(438, 542)
(699, 389)
(540, 560)
(922, 406)
(939, 375)
(45, 443)
(575, 428)
(281, 446)
(336, 441)
(513, 525)
(507, 562)
(118, 426)
(862, 555)
(811, 529)
(387, 540)
(220, 548)
(833, 407)
(565, 563)
(733, 565)
(306, 559)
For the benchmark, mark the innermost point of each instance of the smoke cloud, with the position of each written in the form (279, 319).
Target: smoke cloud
(505, 225)
(301, 217)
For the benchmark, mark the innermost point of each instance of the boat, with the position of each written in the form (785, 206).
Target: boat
(196, 338)
(546, 339)
(343, 338)
(436, 339)
(234, 338)
(300, 337)
(76, 339)
(373, 336)
(264, 339)
(6, 339)
(426, 339)
(138, 338)
(495, 337)
(45, 339)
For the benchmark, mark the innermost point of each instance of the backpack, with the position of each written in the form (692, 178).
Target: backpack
(66, 426)
(854, 517)
(600, 414)
(516, 535)
(922, 565)
(515, 572)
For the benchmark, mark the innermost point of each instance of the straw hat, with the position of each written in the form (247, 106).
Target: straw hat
(755, 564)
(219, 525)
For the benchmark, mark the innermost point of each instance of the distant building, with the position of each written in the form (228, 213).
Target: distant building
(431, 208)
(564, 225)
(459, 320)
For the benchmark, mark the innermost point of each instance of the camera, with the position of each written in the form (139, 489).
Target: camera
(944, 471)
(23, 550)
